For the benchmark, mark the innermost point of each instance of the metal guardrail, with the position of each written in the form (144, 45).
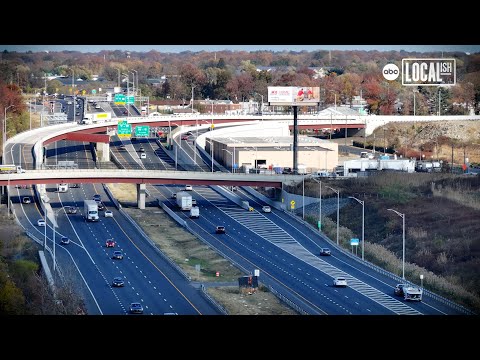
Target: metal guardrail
(212, 300)
(373, 266)
(287, 301)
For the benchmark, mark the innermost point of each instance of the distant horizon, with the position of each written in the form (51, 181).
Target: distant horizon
(249, 48)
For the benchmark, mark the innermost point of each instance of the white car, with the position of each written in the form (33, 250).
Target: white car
(266, 209)
(143, 156)
(26, 200)
(109, 213)
(340, 281)
(41, 222)
(188, 188)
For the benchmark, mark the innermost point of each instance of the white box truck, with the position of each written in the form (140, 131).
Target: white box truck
(184, 200)
(91, 210)
(11, 169)
(195, 212)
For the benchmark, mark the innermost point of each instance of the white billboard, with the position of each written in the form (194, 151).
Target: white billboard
(294, 95)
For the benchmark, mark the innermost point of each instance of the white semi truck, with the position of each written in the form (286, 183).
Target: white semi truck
(91, 210)
(184, 200)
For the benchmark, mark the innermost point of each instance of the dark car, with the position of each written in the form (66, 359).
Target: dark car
(65, 240)
(287, 170)
(110, 243)
(118, 282)
(325, 252)
(125, 112)
(26, 200)
(399, 290)
(136, 308)
(101, 207)
(184, 137)
(220, 230)
(97, 198)
(123, 147)
(117, 254)
(141, 149)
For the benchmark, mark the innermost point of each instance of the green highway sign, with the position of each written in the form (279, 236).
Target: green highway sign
(142, 130)
(124, 129)
(119, 99)
(130, 99)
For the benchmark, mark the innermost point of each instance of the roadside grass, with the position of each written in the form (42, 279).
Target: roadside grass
(442, 228)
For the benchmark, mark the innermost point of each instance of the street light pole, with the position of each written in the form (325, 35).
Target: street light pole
(5, 132)
(211, 150)
(320, 204)
(196, 129)
(363, 225)
(303, 197)
(338, 209)
(414, 91)
(403, 236)
(231, 154)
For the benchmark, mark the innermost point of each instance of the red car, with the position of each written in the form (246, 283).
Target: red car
(110, 243)
(184, 137)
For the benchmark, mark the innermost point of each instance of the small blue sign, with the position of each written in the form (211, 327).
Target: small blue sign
(354, 242)
(235, 166)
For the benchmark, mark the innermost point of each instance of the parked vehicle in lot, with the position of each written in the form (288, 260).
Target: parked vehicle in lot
(220, 230)
(266, 209)
(41, 222)
(325, 252)
(110, 243)
(26, 200)
(136, 308)
(340, 281)
(118, 282)
(65, 240)
(118, 255)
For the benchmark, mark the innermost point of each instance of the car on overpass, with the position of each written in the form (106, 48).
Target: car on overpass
(65, 240)
(41, 222)
(220, 230)
(266, 209)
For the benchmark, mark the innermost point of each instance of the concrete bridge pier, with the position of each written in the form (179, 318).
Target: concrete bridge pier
(141, 189)
(103, 151)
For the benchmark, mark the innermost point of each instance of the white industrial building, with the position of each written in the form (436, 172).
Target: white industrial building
(244, 153)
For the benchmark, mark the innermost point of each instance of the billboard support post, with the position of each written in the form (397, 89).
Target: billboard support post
(295, 139)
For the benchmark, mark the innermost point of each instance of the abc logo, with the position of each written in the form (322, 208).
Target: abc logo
(390, 71)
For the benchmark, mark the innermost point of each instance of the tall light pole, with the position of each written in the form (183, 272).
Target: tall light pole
(5, 132)
(303, 197)
(338, 209)
(319, 204)
(196, 129)
(363, 224)
(421, 281)
(403, 236)
(231, 154)
(211, 150)
(118, 70)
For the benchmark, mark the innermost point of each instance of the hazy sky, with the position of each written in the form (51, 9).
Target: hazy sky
(180, 48)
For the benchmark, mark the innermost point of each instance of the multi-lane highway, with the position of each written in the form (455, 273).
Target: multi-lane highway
(280, 246)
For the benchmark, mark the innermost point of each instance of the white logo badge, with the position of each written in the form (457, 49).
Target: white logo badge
(390, 71)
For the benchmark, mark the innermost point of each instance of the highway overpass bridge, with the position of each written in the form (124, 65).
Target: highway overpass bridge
(143, 177)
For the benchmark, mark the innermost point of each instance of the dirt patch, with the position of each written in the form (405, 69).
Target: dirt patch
(259, 303)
